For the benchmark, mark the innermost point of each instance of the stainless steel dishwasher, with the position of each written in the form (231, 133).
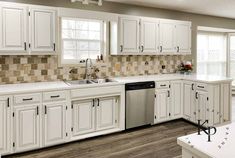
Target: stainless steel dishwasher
(139, 104)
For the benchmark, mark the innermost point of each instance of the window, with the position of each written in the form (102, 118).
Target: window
(81, 39)
(232, 57)
(211, 53)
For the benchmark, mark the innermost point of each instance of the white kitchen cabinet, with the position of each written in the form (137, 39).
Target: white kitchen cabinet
(176, 99)
(26, 127)
(162, 105)
(183, 37)
(167, 36)
(149, 35)
(129, 34)
(202, 107)
(13, 28)
(54, 123)
(83, 117)
(43, 28)
(189, 107)
(5, 123)
(105, 113)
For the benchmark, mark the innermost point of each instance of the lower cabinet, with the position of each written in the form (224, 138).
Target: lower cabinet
(176, 99)
(54, 123)
(26, 127)
(5, 125)
(162, 105)
(93, 115)
(202, 107)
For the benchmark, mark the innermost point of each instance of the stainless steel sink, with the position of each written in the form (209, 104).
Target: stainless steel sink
(93, 81)
(102, 80)
(79, 82)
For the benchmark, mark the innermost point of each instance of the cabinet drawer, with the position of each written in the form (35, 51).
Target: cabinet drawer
(164, 84)
(27, 98)
(202, 86)
(52, 96)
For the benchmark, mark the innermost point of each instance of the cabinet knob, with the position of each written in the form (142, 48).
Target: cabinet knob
(121, 48)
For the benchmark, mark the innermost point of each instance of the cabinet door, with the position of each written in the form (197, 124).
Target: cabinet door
(176, 99)
(13, 28)
(54, 123)
(149, 36)
(129, 35)
(189, 107)
(183, 37)
(162, 105)
(167, 30)
(42, 22)
(27, 127)
(105, 117)
(4, 126)
(202, 106)
(83, 117)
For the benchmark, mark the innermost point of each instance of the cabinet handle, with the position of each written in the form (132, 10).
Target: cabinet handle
(45, 110)
(54, 47)
(29, 99)
(55, 96)
(93, 102)
(121, 48)
(25, 47)
(142, 48)
(200, 86)
(192, 87)
(168, 93)
(8, 102)
(178, 48)
(160, 48)
(98, 102)
(196, 95)
(163, 85)
(37, 110)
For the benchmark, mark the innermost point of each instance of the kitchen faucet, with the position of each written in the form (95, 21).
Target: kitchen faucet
(88, 68)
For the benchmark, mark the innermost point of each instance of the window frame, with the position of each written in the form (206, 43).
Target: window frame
(77, 61)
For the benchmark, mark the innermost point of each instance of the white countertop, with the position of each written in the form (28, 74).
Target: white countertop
(221, 146)
(8, 89)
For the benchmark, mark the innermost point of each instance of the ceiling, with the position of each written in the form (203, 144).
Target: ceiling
(221, 8)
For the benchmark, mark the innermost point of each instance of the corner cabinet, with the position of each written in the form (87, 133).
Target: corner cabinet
(129, 34)
(13, 28)
(43, 29)
(5, 124)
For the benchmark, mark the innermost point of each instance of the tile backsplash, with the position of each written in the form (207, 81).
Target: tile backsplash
(21, 69)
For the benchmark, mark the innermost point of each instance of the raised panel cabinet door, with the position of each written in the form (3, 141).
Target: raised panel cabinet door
(26, 127)
(167, 40)
(149, 36)
(202, 106)
(183, 37)
(4, 126)
(83, 117)
(162, 104)
(129, 35)
(42, 30)
(13, 28)
(176, 99)
(105, 117)
(54, 123)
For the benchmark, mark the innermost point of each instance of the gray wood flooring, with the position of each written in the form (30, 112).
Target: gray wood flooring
(157, 141)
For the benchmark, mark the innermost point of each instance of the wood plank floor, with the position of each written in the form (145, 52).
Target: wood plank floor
(158, 141)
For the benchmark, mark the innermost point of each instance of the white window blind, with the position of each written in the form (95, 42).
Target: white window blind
(81, 39)
(211, 54)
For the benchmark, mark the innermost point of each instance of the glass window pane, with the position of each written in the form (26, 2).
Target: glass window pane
(83, 46)
(94, 26)
(94, 46)
(68, 33)
(82, 34)
(69, 54)
(82, 25)
(83, 54)
(69, 45)
(68, 24)
(93, 54)
(94, 35)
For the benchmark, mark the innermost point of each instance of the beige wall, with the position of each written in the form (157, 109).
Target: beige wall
(197, 20)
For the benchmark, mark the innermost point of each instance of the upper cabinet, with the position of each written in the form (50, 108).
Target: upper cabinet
(13, 28)
(27, 29)
(42, 25)
(167, 34)
(150, 36)
(129, 34)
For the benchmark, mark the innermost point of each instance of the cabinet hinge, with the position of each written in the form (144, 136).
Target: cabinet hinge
(66, 108)
(116, 121)
(29, 13)
(207, 98)
(13, 114)
(116, 100)
(13, 144)
(155, 95)
(72, 106)
(66, 134)
(139, 23)
(72, 129)
(169, 86)
(29, 45)
(169, 114)
(155, 117)
(8, 102)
